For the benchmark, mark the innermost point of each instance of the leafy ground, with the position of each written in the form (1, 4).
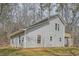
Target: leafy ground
(39, 52)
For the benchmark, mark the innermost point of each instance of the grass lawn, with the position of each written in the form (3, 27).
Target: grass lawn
(39, 52)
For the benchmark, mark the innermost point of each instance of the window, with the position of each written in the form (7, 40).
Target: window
(60, 39)
(50, 38)
(19, 40)
(56, 27)
(38, 38)
(22, 39)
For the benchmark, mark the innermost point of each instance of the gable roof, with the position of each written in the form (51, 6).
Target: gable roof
(54, 16)
(39, 23)
(17, 32)
(46, 20)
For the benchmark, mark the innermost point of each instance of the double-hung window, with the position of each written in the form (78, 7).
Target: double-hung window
(56, 27)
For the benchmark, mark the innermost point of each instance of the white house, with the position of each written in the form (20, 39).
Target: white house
(49, 32)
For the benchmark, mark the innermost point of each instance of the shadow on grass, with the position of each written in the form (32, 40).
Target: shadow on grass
(7, 51)
(40, 52)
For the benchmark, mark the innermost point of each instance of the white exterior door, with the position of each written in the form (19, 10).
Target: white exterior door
(22, 42)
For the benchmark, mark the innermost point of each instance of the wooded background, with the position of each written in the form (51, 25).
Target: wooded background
(15, 16)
